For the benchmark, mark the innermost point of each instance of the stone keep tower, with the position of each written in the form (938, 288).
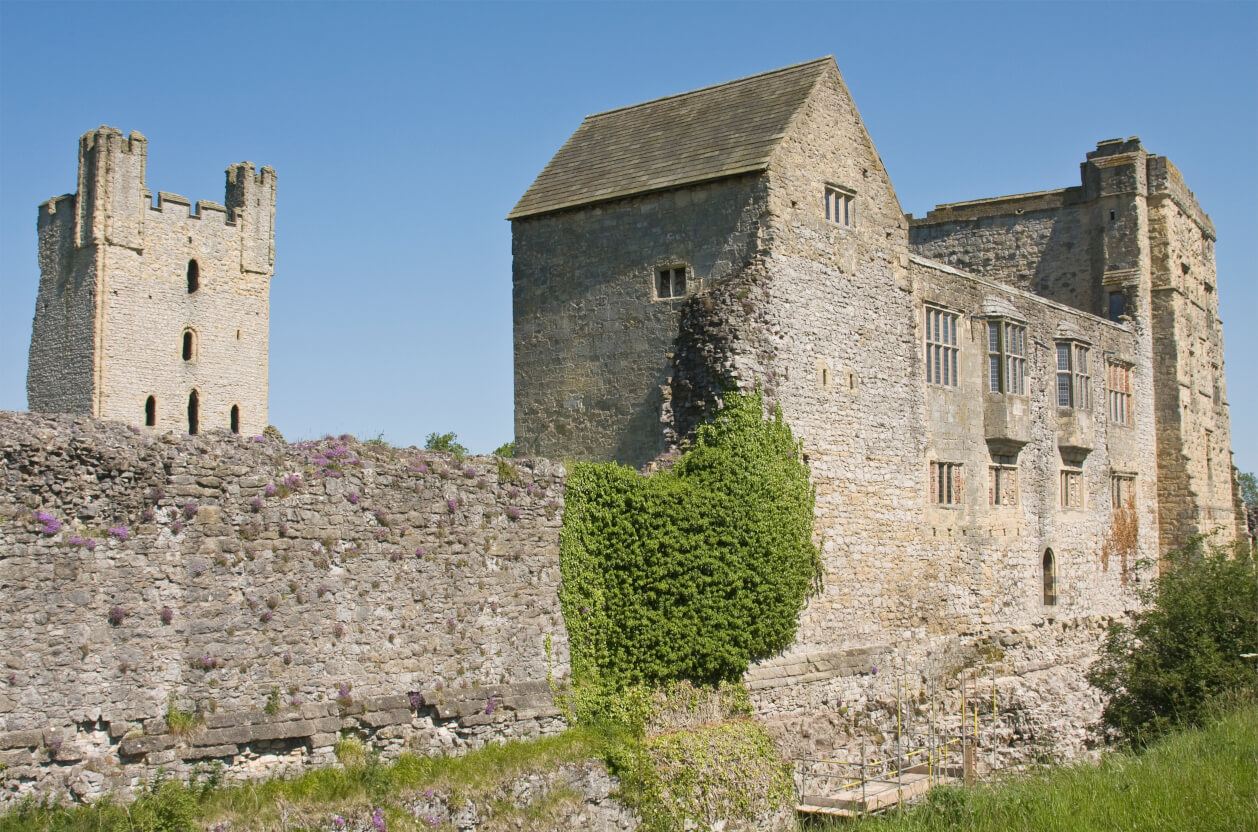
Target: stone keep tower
(153, 314)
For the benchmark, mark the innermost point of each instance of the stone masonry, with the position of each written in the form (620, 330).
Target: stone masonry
(993, 401)
(150, 313)
(286, 595)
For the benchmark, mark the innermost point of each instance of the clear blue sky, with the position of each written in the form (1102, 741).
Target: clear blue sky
(402, 134)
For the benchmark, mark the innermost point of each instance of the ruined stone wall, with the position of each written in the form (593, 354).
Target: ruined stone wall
(286, 594)
(592, 341)
(1042, 243)
(123, 275)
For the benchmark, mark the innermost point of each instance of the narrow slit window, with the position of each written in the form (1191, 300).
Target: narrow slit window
(150, 412)
(189, 345)
(235, 419)
(194, 415)
(194, 276)
(1048, 569)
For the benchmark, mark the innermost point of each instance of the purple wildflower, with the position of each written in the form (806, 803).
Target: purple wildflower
(293, 481)
(176, 527)
(338, 822)
(874, 671)
(489, 706)
(116, 615)
(419, 552)
(513, 512)
(259, 439)
(417, 700)
(287, 657)
(256, 504)
(267, 616)
(167, 614)
(377, 820)
(352, 497)
(90, 545)
(51, 525)
(322, 590)
(453, 505)
(339, 629)
(148, 515)
(119, 532)
(270, 490)
(198, 570)
(190, 509)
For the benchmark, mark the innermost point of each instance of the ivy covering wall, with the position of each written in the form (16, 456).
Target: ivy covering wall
(696, 570)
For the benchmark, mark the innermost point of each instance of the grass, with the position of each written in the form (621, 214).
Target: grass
(1201, 779)
(1204, 779)
(309, 801)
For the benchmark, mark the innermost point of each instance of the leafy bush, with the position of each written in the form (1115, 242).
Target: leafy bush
(445, 442)
(1185, 648)
(694, 571)
(507, 450)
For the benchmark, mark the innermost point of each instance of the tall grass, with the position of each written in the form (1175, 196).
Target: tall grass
(309, 801)
(1201, 780)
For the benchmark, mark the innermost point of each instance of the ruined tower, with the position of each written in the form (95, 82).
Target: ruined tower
(153, 314)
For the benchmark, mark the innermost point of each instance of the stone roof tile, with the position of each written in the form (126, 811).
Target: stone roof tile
(705, 134)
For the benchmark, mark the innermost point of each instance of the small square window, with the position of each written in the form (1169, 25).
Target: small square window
(840, 206)
(670, 282)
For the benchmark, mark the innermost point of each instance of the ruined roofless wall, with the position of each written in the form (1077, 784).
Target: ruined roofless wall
(429, 588)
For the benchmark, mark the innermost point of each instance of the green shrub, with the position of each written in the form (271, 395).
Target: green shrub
(445, 442)
(507, 450)
(1185, 648)
(694, 571)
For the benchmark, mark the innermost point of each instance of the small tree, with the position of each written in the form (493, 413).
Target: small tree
(1184, 649)
(445, 442)
(1249, 489)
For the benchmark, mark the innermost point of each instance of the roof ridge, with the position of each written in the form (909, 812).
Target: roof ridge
(746, 79)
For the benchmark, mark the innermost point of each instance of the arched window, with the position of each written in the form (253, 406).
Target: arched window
(1049, 568)
(235, 419)
(150, 412)
(189, 345)
(194, 420)
(194, 276)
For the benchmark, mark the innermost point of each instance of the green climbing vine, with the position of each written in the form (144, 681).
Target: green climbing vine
(694, 571)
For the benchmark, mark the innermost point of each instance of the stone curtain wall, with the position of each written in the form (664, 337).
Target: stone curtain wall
(285, 594)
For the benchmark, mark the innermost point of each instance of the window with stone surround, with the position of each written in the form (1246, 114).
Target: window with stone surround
(947, 483)
(1071, 484)
(1048, 577)
(1002, 480)
(1006, 357)
(1074, 382)
(1118, 392)
(189, 350)
(840, 206)
(1122, 490)
(670, 282)
(942, 347)
(150, 412)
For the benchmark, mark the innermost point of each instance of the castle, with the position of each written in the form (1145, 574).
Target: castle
(1008, 406)
(154, 315)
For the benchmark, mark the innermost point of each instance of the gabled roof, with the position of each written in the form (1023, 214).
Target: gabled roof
(696, 136)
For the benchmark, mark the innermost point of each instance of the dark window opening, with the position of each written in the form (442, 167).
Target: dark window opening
(235, 419)
(194, 421)
(1049, 567)
(194, 276)
(1111, 216)
(150, 412)
(670, 282)
(187, 345)
(1117, 305)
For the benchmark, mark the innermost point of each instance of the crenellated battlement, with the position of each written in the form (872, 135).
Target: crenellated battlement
(129, 274)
